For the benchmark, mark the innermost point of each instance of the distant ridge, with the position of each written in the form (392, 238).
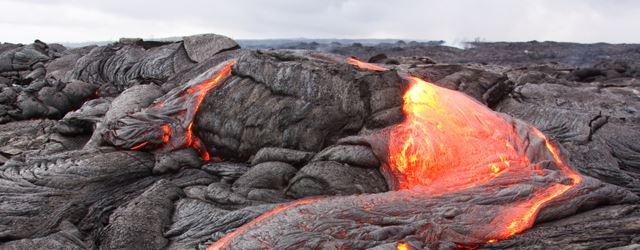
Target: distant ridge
(265, 43)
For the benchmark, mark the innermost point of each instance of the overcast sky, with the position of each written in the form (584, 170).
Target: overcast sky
(616, 21)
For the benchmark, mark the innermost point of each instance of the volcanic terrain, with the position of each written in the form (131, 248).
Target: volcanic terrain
(202, 144)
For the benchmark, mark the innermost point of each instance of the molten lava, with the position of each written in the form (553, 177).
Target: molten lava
(403, 246)
(168, 124)
(450, 143)
(364, 65)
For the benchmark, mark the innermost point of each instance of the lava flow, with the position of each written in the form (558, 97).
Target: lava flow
(363, 65)
(450, 143)
(168, 124)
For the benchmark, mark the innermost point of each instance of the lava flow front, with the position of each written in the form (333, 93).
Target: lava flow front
(450, 145)
(450, 142)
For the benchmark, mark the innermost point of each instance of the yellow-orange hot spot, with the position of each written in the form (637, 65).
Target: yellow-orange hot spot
(403, 246)
(447, 140)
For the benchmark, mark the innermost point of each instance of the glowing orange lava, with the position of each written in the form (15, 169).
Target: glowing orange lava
(139, 146)
(364, 65)
(203, 88)
(183, 114)
(521, 217)
(195, 143)
(166, 136)
(450, 142)
(403, 246)
(200, 91)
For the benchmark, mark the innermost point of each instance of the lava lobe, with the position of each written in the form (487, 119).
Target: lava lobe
(450, 153)
(450, 142)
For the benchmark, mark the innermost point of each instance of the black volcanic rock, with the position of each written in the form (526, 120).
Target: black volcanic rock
(367, 221)
(357, 155)
(34, 138)
(81, 187)
(68, 237)
(596, 123)
(202, 47)
(228, 171)
(112, 69)
(268, 175)
(512, 54)
(119, 66)
(293, 157)
(379, 58)
(21, 58)
(334, 178)
(304, 129)
(152, 212)
(265, 104)
(485, 85)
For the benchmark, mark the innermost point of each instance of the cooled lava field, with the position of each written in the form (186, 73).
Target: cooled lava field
(201, 143)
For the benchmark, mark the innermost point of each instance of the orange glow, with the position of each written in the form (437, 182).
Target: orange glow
(494, 168)
(192, 97)
(205, 156)
(227, 239)
(364, 65)
(448, 141)
(189, 135)
(522, 216)
(136, 147)
(403, 246)
(200, 91)
(203, 88)
(166, 136)
(195, 143)
(552, 149)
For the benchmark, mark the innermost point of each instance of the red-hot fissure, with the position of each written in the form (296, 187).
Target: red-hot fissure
(450, 142)
(194, 96)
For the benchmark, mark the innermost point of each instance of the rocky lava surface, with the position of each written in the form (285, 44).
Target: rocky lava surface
(200, 143)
